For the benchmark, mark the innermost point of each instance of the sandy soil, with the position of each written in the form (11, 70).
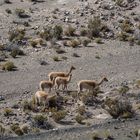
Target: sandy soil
(118, 61)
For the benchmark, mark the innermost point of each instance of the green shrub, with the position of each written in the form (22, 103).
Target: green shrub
(9, 66)
(59, 115)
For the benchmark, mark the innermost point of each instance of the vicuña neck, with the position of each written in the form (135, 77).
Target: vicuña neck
(101, 81)
(69, 78)
(70, 71)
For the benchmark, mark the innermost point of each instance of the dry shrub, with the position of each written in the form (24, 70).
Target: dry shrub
(21, 13)
(8, 66)
(16, 34)
(15, 52)
(85, 42)
(123, 89)
(123, 36)
(59, 115)
(95, 136)
(83, 32)
(98, 40)
(28, 105)
(2, 47)
(118, 107)
(126, 27)
(2, 131)
(94, 27)
(57, 32)
(73, 43)
(79, 119)
(16, 128)
(81, 110)
(70, 31)
(8, 112)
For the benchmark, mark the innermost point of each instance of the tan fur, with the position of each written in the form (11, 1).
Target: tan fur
(53, 75)
(41, 96)
(91, 85)
(46, 84)
(62, 81)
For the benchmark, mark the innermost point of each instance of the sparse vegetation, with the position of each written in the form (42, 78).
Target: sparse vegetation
(98, 40)
(57, 32)
(85, 42)
(60, 51)
(119, 108)
(79, 119)
(8, 66)
(123, 90)
(16, 34)
(8, 112)
(21, 13)
(70, 31)
(126, 27)
(40, 120)
(73, 43)
(15, 52)
(95, 136)
(56, 58)
(59, 115)
(28, 105)
(2, 131)
(123, 36)
(16, 128)
(94, 27)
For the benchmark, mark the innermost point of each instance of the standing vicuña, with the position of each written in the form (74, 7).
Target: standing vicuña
(46, 84)
(89, 84)
(53, 75)
(62, 81)
(41, 97)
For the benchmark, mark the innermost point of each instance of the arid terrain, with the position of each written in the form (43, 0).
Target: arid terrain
(100, 38)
